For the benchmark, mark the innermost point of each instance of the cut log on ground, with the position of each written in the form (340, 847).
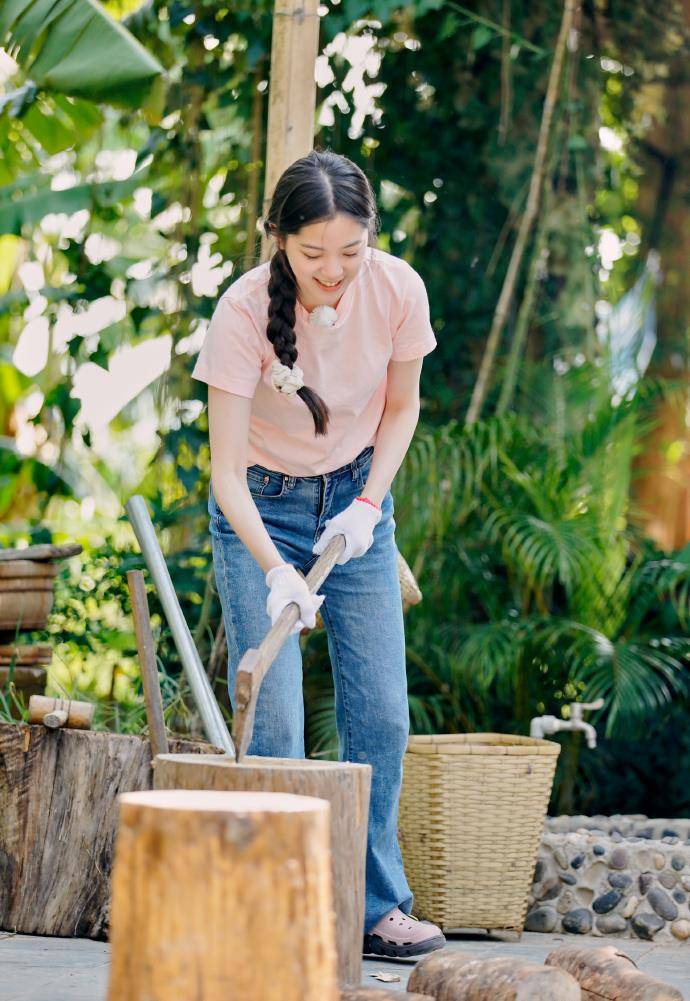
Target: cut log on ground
(454, 976)
(345, 786)
(58, 791)
(606, 974)
(373, 994)
(222, 896)
(77, 715)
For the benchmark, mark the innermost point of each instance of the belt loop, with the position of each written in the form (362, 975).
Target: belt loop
(353, 469)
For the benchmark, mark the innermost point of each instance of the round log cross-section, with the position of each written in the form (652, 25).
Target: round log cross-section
(224, 896)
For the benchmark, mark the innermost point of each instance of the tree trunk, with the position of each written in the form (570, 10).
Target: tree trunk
(222, 895)
(57, 823)
(606, 974)
(345, 786)
(455, 976)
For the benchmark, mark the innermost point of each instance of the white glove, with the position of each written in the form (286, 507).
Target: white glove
(287, 585)
(357, 523)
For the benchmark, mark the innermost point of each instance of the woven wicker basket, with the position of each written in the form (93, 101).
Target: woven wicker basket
(472, 811)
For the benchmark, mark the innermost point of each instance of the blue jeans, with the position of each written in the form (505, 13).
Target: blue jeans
(362, 613)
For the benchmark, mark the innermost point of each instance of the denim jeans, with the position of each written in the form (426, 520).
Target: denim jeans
(362, 613)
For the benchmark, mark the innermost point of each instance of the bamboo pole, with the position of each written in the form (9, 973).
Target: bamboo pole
(292, 91)
(481, 386)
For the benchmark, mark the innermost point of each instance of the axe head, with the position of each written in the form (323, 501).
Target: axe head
(247, 687)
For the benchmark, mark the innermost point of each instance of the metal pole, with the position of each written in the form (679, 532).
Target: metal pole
(211, 716)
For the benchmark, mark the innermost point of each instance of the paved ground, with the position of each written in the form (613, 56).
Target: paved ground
(54, 969)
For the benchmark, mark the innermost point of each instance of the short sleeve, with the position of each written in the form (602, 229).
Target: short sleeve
(231, 355)
(414, 337)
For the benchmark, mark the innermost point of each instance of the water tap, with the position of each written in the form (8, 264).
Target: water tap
(545, 726)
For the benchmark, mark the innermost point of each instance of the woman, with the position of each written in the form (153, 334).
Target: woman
(313, 363)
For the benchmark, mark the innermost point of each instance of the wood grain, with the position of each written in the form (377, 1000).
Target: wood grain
(345, 786)
(605, 973)
(454, 976)
(222, 896)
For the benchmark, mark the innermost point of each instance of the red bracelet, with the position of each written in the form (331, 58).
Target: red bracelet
(367, 501)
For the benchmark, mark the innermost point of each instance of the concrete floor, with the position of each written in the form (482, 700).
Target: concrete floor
(57, 969)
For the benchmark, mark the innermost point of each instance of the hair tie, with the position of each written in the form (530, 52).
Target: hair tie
(285, 379)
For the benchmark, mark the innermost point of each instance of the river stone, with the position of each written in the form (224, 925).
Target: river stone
(668, 879)
(567, 878)
(646, 832)
(630, 906)
(660, 901)
(646, 880)
(620, 880)
(538, 871)
(647, 925)
(549, 889)
(619, 858)
(607, 901)
(561, 858)
(678, 862)
(611, 924)
(685, 882)
(668, 832)
(599, 850)
(679, 896)
(658, 860)
(577, 860)
(541, 919)
(578, 922)
(681, 929)
(565, 902)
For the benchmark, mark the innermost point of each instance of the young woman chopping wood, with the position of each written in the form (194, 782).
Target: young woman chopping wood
(313, 363)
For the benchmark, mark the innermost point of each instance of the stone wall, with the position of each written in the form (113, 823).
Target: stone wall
(619, 876)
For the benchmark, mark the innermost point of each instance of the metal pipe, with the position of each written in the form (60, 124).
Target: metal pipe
(211, 716)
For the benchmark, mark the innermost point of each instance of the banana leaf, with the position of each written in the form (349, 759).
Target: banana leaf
(31, 208)
(74, 47)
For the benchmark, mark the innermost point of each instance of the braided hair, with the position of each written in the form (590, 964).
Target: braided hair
(313, 188)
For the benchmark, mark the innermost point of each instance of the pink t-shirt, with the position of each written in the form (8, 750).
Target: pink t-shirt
(382, 315)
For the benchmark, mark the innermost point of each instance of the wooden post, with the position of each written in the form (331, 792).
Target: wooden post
(344, 785)
(292, 91)
(224, 896)
(147, 662)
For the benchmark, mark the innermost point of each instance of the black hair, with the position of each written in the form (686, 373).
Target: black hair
(313, 188)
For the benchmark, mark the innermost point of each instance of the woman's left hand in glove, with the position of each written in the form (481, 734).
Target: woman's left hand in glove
(356, 523)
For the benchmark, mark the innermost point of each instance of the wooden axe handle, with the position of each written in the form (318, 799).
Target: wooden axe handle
(251, 672)
(147, 663)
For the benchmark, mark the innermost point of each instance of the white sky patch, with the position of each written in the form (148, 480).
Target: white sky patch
(610, 140)
(103, 393)
(115, 164)
(610, 248)
(192, 344)
(30, 355)
(8, 67)
(99, 248)
(31, 276)
(209, 271)
(171, 217)
(142, 202)
(98, 315)
(66, 227)
(360, 52)
(64, 179)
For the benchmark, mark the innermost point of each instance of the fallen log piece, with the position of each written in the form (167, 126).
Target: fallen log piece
(54, 713)
(42, 551)
(222, 896)
(453, 976)
(38, 653)
(373, 994)
(606, 974)
(58, 792)
(343, 784)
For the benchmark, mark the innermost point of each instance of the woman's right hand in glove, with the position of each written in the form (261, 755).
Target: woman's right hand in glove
(287, 585)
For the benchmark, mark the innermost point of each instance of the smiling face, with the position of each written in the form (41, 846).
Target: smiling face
(325, 257)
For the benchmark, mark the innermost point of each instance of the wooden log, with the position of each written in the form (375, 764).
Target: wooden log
(58, 791)
(43, 551)
(605, 973)
(77, 715)
(374, 994)
(28, 568)
(454, 976)
(222, 896)
(345, 786)
(37, 653)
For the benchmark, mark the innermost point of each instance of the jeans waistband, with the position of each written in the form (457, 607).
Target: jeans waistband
(350, 467)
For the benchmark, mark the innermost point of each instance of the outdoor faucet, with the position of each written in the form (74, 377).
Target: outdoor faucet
(544, 726)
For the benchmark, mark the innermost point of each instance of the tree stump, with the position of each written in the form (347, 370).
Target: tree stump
(58, 791)
(454, 976)
(607, 974)
(345, 786)
(222, 896)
